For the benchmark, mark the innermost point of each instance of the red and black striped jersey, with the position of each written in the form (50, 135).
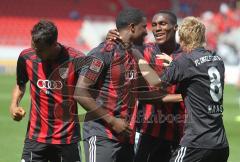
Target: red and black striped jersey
(114, 71)
(53, 113)
(161, 120)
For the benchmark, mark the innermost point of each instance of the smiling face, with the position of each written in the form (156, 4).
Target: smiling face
(163, 29)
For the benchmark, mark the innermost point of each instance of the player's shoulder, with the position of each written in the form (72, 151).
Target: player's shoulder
(182, 57)
(108, 46)
(216, 55)
(27, 53)
(182, 60)
(104, 49)
(215, 58)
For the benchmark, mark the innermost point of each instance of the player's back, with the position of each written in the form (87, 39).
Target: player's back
(202, 89)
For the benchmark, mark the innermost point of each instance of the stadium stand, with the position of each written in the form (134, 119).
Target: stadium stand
(18, 18)
(73, 17)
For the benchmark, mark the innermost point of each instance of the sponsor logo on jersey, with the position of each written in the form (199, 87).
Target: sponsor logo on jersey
(49, 84)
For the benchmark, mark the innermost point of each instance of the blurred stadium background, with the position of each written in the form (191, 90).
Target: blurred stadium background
(84, 23)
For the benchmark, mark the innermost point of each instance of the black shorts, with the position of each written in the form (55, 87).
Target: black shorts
(102, 149)
(34, 151)
(152, 149)
(186, 154)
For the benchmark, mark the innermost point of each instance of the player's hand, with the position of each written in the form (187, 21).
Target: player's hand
(17, 113)
(113, 35)
(166, 58)
(121, 127)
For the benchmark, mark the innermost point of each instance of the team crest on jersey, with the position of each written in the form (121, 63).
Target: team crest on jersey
(63, 72)
(96, 65)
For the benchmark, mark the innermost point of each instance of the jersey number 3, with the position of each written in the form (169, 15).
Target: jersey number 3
(215, 84)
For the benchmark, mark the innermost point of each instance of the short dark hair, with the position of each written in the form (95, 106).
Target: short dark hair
(171, 15)
(128, 16)
(44, 32)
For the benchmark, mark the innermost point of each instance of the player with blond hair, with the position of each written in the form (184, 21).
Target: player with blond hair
(200, 73)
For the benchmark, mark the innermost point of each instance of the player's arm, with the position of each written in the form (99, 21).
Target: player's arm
(172, 98)
(174, 73)
(90, 73)
(16, 111)
(83, 96)
(155, 95)
(149, 74)
(154, 80)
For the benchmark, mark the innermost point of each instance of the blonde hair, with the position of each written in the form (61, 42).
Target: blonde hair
(191, 33)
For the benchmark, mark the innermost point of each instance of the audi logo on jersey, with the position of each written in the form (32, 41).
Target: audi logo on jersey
(49, 84)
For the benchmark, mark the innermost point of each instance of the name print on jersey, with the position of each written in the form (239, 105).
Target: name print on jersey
(204, 59)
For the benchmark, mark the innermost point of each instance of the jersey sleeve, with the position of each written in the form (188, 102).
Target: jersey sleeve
(95, 63)
(176, 72)
(78, 63)
(22, 76)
